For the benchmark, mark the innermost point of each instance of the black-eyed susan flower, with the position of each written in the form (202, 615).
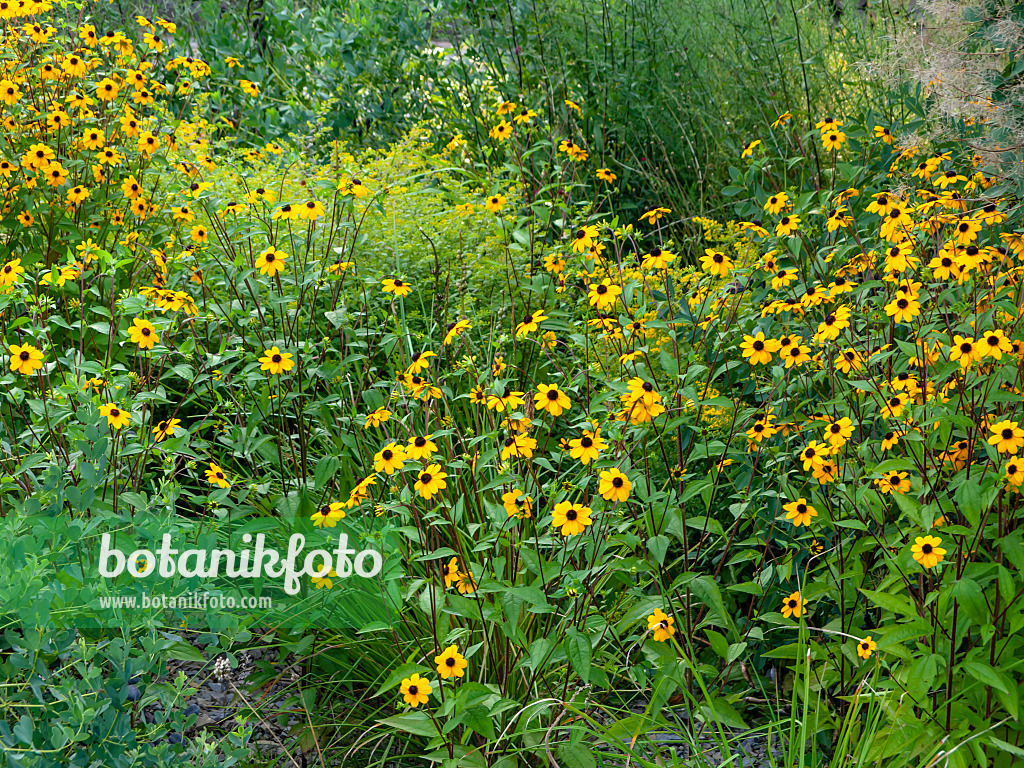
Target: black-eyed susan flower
(416, 690)
(787, 226)
(571, 518)
(508, 400)
(777, 203)
(518, 445)
(10, 273)
(893, 482)
(455, 330)
(165, 429)
(994, 344)
(749, 147)
(530, 323)
(420, 447)
(849, 360)
(389, 459)
(552, 399)
(517, 503)
(420, 362)
(833, 324)
(758, 350)
(501, 131)
(604, 174)
(902, 309)
(583, 238)
(396, 286)
(217, 476)
(795, 354)
(927, 551)
(833, 140)
(377, 417)
(588, 447)
(1013, 473)
(117, 417)
(662, 625)
(274, 361)
(800, 512)
(495, 203)
(271, 261)
(143, 333)
(865, 647)
(328, 515)
(814, 454)
(450, 663)
(430, 481)
(604, 294)
(286, 212)
(715, 262)
(614, 485)
(1007, 436)
(794, 606)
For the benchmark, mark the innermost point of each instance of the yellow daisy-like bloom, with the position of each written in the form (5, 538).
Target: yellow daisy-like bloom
(249, 87)
(927, 552)
(588, 447)
(865, 647)
(530, 323)
(389, 459)
(517, 504)
(495, 203)
(604, 294)
(430, 481)
(451, 663)
(416, 690)
(1007, 436)
(614, 485)
(551, 399)
(328, 515)
(787, 225)
(758, 350)
(117, 417)
(396, 286)
(271, 261)
(604, 174)
(571, 518)
(455, 330)
(11, 273)
(584, 238)
(508, 400)
(274, 361)
(662, 625)
(143, 333)
(800, 512)
(794, 606)
(165, 429)
(377, 417)
(312, 210)
(217, 476)
(715, 262)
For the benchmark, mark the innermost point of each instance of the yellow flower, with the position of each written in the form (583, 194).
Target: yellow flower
(143, 333)
(495, 203)
(927, 552)
(800, 512)
(571, 518)
(249, 87)
(794, 606)
(604, 294)
(430, 481)
(614, 485)
(551, 399)
(662, 625)
(116, 417)
(216, 476)
(271, 261)
(416, 690)
(867, 645)
(328, 515)
(165, 429)
(451, 663)
(275, 361)
(517, 504)
(396, 286)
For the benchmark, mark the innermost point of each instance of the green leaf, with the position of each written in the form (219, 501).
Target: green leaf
(577, 648)
(718, 643)
(658, 546)
(576, 756)
(894, 603)
(416, 723)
